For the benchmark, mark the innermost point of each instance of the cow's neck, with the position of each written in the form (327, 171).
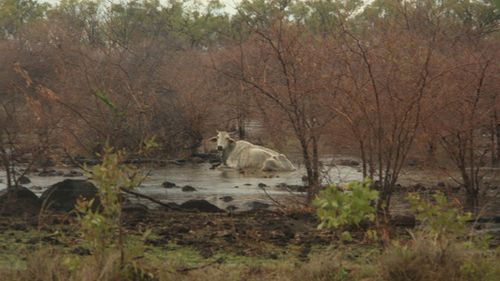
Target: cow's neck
(226, 152)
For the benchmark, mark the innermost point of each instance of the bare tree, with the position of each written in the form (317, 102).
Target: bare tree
(289, 73)
(389, 74)
(467, 102)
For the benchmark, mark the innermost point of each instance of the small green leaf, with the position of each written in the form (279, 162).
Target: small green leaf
(104, 98)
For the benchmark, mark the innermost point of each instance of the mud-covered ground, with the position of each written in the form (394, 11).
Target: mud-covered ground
(262, 234)
(259, 235)
(257, 239)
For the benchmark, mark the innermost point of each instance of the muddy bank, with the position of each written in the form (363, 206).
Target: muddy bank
(249, 233)
(254, 234)
(260, 233)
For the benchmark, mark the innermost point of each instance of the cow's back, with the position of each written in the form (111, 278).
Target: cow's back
(247, 155)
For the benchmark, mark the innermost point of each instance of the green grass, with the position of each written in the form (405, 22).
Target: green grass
(23, 257)
(13, 248)
(16, 246)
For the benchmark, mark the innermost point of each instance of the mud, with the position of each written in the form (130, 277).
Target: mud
(252, 234)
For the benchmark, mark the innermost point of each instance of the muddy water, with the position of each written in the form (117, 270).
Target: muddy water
(212, 185)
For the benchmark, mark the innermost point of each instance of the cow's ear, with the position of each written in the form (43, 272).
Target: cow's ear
(214, 139)
(231, 140)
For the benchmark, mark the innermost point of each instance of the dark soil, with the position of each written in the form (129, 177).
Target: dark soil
(256, 234)
(249, 234)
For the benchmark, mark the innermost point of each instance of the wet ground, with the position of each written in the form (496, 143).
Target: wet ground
(247, 234)
(265, 233)
(262, 234)
(214, 185)
(225, 187)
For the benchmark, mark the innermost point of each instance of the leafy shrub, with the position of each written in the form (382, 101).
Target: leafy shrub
(101, 227)
(439, 250)
(351, 205)
(481, 268)
(438, 216)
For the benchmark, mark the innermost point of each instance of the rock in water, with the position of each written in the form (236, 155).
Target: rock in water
(256, 205)
(348, 162)
(227, 198)
(51, 173)
(188, 188)
(73, 173)
(201, 206)
(19, 200)
(62, 196)
(23, 180)
(168, 184)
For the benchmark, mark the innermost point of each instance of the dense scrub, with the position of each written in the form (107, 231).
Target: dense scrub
(393, 83)
(390, 82)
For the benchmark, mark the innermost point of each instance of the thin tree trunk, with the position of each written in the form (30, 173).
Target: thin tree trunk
(241, 113)
(384, 202)
(472, 201)
(241, 128)
(492, 142)
(8, 172)
(309, 169)
(370, 161)
(363, 158)
(120, 237)
(315, 164)
(497, 130)
(9, 177)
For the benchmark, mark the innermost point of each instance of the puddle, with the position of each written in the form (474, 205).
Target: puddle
(210, 185)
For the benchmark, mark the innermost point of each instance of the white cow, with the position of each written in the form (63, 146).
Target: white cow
(244, 155)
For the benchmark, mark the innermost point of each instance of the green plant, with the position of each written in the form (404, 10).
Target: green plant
(481, 267)
(102, 227)
(350, 205)
(439, 249)
(438, 216)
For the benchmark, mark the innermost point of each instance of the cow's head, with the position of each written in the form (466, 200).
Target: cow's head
(223, 140)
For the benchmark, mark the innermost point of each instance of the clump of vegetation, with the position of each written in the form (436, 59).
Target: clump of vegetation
(438, 216)
(424, 258)
(102, 227)
(350, 205)
(440, 249)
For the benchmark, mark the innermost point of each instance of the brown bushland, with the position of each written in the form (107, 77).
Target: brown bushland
(386, 84)
(289, 74)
